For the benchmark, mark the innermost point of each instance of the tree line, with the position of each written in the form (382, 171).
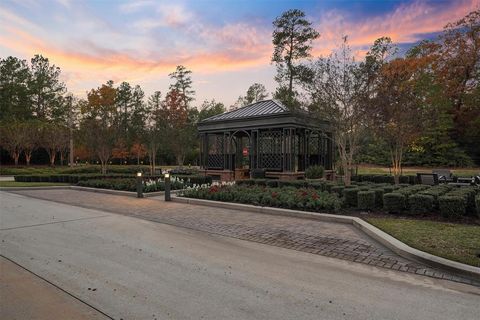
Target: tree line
(421, 107)
(113, 123)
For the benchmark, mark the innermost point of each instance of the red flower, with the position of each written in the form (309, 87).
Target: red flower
(213, 189)
(274, 194)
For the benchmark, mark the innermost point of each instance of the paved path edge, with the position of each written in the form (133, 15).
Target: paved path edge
(96, 190)
(387, 240)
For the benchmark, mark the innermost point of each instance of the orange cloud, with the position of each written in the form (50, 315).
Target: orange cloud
(405, 24)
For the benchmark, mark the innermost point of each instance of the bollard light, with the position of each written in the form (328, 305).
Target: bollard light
(139, 185)
(167, 187)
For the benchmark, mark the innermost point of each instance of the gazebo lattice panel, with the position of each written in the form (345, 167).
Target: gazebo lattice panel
(270, 149)
(216, 145)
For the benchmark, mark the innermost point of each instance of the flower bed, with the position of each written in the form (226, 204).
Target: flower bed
(76, 178)
(282, 197)
(130, 184)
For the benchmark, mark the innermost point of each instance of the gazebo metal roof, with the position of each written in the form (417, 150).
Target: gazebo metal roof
(260, 108)
(262, 114)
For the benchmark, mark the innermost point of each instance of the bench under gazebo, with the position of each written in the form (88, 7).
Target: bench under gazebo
(264, 135)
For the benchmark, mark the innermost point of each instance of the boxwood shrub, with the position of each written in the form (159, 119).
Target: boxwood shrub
(394, 202)
(272, 183)
(420, 203)
(435, 192)
(115, 184)
(366, 200)
(285, 197)
(477, 204)
(292, 183)
(379, 197)
(314, 172)
(452, 206)
(338, 190)
(350, 197)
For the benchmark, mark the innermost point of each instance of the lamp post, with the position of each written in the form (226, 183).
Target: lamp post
(167, 187)
(139, 185)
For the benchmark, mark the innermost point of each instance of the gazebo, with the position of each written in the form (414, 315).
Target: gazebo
(264, 135)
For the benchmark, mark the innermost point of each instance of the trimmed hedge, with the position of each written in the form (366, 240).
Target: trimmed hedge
(366, 200)
(115, 184)
(286, 197)
(452, 206)
(75, 178)
(272, 183)
(314, 172)
(68, 178)
(382, 178)
(258, 173)
(350, 196)
(468, 196)
(420, 203)
(338, 190)
(435, 192)
(477, 204)
(379, 197)
(292, 183)
(394, 202)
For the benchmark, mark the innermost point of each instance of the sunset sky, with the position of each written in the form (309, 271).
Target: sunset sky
(227, 44)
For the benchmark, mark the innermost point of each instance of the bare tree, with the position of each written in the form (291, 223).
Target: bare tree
(335, 90)
(100, 139)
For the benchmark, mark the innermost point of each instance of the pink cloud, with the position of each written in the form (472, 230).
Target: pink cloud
(405, 24)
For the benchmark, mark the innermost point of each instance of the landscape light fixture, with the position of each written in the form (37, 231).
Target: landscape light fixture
(139, 185)
(167, 187)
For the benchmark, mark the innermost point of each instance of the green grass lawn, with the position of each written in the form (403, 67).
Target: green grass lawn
(372, 169)
(456, 242)
(30, 184)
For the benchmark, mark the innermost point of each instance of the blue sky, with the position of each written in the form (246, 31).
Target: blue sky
(227, 44)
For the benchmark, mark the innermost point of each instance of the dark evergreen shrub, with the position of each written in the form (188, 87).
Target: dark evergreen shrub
(366, 200)
(258, 173)
(292, 183)
(314, 172)
(379, 197)
(248, 182)
(394, 202)
(477, 204)
(272, 183)
(260, 182)
(452, 206)
(420, 203)
(388, 189)
(350, 196)
(338, 190)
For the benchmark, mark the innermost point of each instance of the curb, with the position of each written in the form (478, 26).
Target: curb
(121, 192)
(387, 240)
(34, 188)
(95, 190)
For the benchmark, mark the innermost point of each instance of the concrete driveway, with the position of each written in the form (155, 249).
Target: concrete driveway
(130, 268)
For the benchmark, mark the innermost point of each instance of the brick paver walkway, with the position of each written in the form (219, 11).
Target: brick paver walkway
(328, 239)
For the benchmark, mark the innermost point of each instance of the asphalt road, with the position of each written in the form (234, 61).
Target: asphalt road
(135, 269)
